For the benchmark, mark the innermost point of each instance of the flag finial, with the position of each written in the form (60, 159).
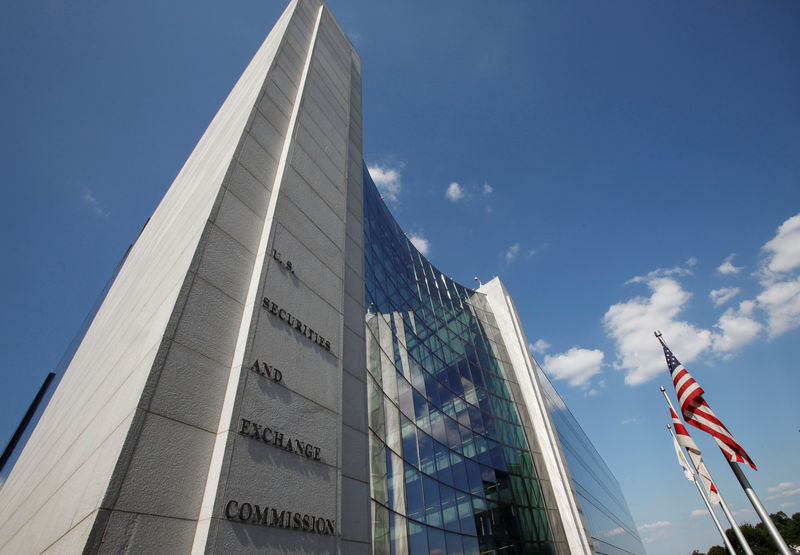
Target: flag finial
(662, 389)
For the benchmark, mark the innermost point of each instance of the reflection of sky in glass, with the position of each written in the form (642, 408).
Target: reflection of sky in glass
(604, 508)
(451, 471)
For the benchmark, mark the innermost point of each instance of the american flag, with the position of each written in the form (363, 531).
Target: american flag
(685, 440)
(697, 412)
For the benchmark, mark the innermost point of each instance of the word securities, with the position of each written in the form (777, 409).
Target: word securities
(253, 514)
(296, 324)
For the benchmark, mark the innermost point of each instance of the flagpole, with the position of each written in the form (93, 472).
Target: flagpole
(725, 539)
(728, 514)
(688, 393)
(762, 512)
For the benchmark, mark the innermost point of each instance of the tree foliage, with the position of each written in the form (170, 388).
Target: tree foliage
(758, 537)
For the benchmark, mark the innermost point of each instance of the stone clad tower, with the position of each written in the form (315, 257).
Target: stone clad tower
(217, 402)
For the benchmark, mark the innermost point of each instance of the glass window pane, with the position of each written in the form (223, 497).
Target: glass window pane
(427, 456)
(414, 499)
(449, 508)
(436, 542)
(454, 546)
(443, 471)
(433, 512)
(417, 539)
(409, 441)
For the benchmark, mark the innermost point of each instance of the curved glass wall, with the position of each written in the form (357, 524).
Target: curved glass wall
(604, 508)
(451, 467)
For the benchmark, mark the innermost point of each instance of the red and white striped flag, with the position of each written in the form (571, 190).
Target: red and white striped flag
(697, 412)
(685, 440)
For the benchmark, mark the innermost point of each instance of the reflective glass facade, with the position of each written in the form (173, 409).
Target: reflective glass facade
(604, 508)
(453, 468)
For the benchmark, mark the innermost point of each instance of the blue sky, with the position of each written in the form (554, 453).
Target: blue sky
(623, 166)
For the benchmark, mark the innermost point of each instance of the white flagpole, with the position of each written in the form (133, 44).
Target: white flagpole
(762, 512)
(708, 504)
(728, 514)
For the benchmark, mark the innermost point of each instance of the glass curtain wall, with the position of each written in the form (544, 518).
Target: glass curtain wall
(451, 466)
(604, 508)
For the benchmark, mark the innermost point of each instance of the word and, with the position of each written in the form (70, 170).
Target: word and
(269, 516)
(267, 371)
(295, 324)
(277, 439)
(279, 258)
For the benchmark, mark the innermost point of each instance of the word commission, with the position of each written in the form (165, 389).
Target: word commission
(254, 514)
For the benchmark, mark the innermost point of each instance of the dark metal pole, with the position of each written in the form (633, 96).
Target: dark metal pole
(25, 420)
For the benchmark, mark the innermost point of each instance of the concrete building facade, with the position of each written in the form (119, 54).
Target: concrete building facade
(244, 377)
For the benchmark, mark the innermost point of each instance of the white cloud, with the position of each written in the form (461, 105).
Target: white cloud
(630, 420)
(487, 189)
(783, 486)
(631, 324)
(454, 192)
(780, 297)
(653, 526)
(421, 244)
(736, 328)
(727, 266)
(721, 296)
(787, 505)
(387, 180)
(787, 493)
(539, 347)
(611, 533)
(512, 252)
(665, 272)
(781, 301)
(784, 489)
(94, 204)
(699, 512)
(576, 365)
(784, 248)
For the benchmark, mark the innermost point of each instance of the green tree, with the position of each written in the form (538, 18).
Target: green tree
(758, 537)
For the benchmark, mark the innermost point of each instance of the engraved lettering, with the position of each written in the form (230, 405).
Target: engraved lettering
(280, 440)
(260, 518)
(255, 514)
(277, 521)
(295, 323)
(231, 504)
